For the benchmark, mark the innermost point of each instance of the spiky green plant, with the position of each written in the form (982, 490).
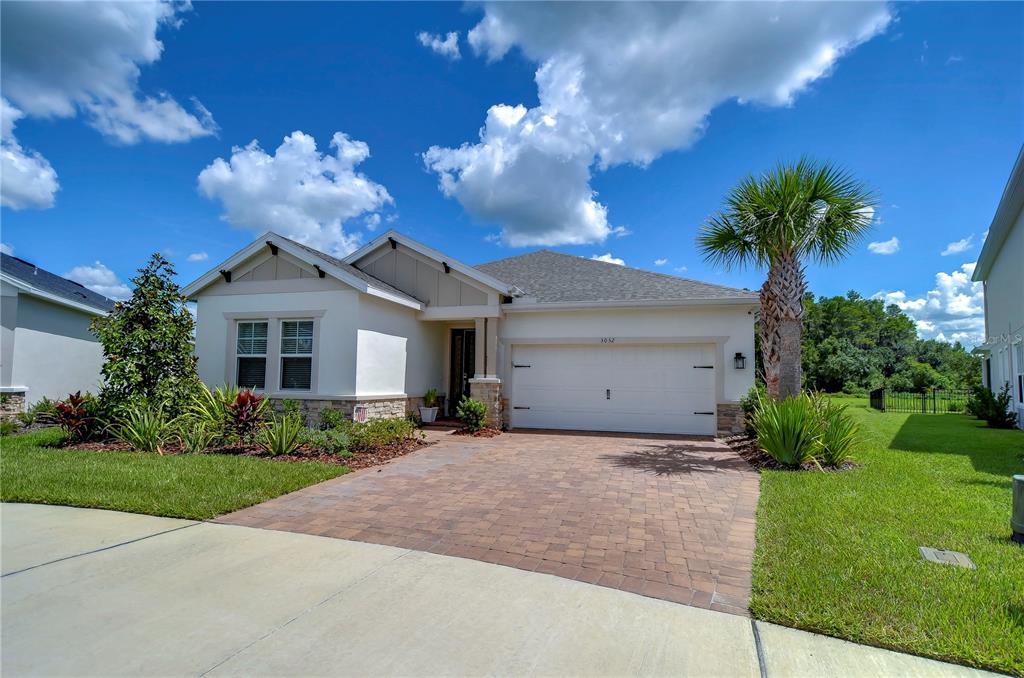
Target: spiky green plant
(195, 435)
(281, 436)
(839, 433)
(794, 213)
(143, 426)
(789, 430)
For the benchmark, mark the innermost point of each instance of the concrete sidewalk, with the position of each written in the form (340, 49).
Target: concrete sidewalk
(89, 592)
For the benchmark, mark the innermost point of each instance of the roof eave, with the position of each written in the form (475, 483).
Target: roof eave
(51, 297)
(1010, 205)
(532, 306)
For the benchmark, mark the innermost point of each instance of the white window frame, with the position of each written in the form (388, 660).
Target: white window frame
(311, 355)
(264, 355)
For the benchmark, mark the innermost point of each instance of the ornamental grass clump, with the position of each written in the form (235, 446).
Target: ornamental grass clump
(788, 430)
(143, 426)
(281, 436)
(838, 433)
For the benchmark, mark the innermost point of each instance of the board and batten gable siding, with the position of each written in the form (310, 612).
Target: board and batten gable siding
(423, 278)
(731, 329)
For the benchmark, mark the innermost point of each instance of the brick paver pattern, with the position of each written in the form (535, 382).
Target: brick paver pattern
(670, 518)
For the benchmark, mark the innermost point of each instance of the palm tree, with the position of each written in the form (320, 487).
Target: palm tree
(791, 214)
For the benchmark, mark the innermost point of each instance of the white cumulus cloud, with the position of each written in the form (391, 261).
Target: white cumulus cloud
(61, 59)
(198, 256)
(608, 259)
(660, 262)
(890, 246)
(448, 47)
(954, 310)
(26, 178)
(624, 83)
(959, 246)
(99, 279)
(298, 191)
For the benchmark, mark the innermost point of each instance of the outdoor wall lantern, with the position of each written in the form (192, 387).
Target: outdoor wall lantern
(740, 360)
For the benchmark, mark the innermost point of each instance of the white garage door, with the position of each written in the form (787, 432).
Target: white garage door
(643, 388)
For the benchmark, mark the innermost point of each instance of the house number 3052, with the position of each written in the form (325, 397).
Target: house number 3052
(607, 340)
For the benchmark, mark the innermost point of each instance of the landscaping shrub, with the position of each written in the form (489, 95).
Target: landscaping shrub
(473, 413)
(44, 406)
(147, 340)
(748, 404)
(838, 433)
(281, 436)
(246, 414)
(195, 435)
(293, 408)
(993, 409)
(788, 430)
(27, 418)
(327, 441)
(7, 428)
(80, 416)
(378, 432)
(143, 426)
(331, 419)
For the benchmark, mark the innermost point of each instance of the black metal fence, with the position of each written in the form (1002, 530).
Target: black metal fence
(928, 401)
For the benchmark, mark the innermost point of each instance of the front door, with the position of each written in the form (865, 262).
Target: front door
(463, 363)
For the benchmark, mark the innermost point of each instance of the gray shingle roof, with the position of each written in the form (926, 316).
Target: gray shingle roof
(349, 268)
(552, 277)
(43, 280)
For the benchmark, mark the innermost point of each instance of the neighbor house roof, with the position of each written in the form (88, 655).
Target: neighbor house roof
(39, 282)
(1010, 206)
(346, 273)
(552, 277)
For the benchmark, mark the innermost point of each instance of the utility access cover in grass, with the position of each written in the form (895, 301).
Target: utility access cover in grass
(944, 557)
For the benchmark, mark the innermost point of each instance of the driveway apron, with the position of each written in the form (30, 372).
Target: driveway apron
(665, 517)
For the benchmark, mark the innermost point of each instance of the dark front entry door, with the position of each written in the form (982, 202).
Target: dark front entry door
(463, 362)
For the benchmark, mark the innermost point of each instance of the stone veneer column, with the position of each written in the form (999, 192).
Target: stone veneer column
(488, 391)
(730, 419)
(12, 403)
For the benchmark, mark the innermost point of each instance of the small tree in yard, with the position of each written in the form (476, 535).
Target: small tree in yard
(795, 213)
(147, 343)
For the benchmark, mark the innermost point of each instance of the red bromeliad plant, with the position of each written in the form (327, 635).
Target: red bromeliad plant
(247, 413)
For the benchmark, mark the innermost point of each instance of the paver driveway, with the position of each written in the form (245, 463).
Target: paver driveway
(665, 517)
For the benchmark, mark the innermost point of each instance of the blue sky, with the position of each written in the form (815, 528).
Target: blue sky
(627, 140)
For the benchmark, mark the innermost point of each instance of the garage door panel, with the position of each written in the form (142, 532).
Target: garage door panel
(653, 388)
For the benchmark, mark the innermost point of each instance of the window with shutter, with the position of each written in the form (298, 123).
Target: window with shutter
(296, 355)
(251, 354)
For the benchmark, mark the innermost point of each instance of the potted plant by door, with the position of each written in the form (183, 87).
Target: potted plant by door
(428, 411)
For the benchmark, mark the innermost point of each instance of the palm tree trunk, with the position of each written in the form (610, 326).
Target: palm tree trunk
(784, 293)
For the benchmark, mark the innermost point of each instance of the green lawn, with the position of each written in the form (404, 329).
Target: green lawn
(837, 553)
(186, 486)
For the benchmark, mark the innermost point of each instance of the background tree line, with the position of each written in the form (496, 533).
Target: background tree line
(852, 344)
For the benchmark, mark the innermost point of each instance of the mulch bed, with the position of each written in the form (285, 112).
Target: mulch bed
(746, 446)
(362, 459)
(482, 433)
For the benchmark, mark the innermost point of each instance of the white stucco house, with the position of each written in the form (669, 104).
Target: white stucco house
(1000, 268)
(46, 348)
(547, 340)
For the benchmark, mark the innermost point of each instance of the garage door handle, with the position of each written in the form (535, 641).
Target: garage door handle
(703, 367)
(519, 407)
(607, 394)
(520, 365)
(703, 412)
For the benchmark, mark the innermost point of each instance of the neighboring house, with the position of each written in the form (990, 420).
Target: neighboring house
(46, 348)
(1000, 268)
(547, 340)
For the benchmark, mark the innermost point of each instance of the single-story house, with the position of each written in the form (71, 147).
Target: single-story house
(46, 347)
(1000, 268)
(546, 340)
